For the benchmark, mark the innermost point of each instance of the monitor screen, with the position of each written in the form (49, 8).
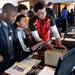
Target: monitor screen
(66, 64)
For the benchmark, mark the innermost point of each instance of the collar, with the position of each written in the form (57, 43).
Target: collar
(20, 28)
(4, 23)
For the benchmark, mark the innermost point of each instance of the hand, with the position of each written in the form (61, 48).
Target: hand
(1, 58)
(31, 41)
(50, 46)
(47, 45)
(30, 37)
(58, 43)
(63, 47)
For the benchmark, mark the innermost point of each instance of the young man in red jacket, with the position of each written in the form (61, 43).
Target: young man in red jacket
(42, 25)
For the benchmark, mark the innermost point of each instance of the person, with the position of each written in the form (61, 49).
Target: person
(21, 40)
(31, 12)
(64, 20)
(72, 17)
(42, 24)
(23, 10)
(6, 36)
(50, 9)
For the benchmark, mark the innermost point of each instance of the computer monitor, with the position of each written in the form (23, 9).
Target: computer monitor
(66, 64)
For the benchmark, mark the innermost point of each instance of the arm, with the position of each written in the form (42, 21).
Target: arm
(36, 36)
(55, 31)
(57, 36)
(34, 31)
(21, 41)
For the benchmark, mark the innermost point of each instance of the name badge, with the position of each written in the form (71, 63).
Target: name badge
(9, 37)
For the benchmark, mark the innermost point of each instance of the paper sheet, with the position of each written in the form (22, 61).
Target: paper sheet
(21, 68)
(18, 69)
(31, 62)
(47, 71)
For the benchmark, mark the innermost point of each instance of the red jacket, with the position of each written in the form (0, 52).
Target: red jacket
(43, 28)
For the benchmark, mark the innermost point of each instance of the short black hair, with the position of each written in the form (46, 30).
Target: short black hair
(65, 7)
(38, 6)
(22, 7)
(18, 18)
(49, 3)
(9, 7)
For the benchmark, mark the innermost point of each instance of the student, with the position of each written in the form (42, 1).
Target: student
(23, 10)
(41, 25)
(31, 13)
(50, 9)
(22, 45)
(6, 36)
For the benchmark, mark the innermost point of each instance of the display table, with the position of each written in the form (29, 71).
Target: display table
(70, 35)
(37, 68)
(29, 64)
(69, 43)
(36, 55)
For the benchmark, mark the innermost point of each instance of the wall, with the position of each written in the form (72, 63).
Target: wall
(2, 2)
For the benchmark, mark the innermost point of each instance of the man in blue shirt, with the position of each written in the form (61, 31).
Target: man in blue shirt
(64, 19)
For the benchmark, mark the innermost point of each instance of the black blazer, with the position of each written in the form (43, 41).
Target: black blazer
(4, 41)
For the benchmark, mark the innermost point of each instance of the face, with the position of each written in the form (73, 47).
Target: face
(11, 16)
(51, 6)
(41, 13)
(23, 22)
(24, 12)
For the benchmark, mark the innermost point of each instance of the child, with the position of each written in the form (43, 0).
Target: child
(21, 38)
